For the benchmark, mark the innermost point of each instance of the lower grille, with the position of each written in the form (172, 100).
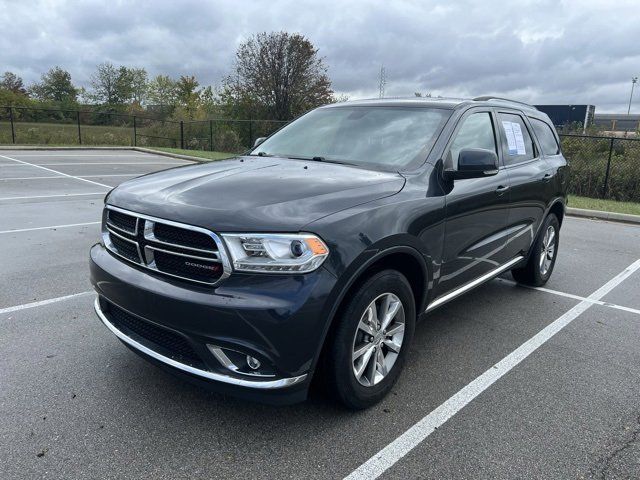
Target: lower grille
(159, 339)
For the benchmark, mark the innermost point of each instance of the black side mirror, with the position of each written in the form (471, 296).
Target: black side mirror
(474, 163)
(258, 141)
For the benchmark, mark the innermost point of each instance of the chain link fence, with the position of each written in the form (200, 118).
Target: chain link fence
(39, 126)
(601, 167)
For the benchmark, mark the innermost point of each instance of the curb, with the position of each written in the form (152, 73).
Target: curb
(599, 214)
(172, 155)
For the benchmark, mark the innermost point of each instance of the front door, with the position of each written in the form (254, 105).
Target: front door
(476, 209)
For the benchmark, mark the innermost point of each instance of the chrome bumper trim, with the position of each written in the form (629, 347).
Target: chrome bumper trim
(257, 384)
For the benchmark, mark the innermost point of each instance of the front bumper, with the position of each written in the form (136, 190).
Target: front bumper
(278, 319)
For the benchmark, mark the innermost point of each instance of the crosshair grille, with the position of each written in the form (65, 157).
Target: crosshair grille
(177, 250)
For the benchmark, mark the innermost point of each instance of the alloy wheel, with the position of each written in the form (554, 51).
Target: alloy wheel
(378, 339)
(548, 250)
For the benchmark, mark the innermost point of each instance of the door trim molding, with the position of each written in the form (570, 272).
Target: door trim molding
(472, 284)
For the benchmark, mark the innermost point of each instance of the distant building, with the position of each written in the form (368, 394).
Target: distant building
(562, 115)
(617, 122)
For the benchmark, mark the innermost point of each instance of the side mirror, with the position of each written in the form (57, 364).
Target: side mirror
(474, 163)
(258, 141)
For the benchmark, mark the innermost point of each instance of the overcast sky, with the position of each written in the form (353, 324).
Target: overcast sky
(538, 51)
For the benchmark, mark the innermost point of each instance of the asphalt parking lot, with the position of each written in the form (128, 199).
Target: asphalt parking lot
(505, 382)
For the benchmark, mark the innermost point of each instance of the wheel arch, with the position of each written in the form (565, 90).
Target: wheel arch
(406, 259)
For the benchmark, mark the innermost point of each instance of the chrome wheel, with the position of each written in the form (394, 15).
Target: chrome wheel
(548, 250)
(378, 339)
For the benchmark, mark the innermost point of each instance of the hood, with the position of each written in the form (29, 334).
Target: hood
(262, 194)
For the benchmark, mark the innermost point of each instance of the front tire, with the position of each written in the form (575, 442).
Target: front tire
(537, 271)
(371, 340)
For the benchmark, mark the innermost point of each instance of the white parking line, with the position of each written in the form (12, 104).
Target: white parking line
(55, 171)
(571, 295)
(117, 155)
(56, 164)
(30, 178)
(17, 230)
(80, 176)
(42, 302)
(54, 196)
(392, 453)
(142, 155)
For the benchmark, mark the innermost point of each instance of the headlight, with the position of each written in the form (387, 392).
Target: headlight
(278, 253)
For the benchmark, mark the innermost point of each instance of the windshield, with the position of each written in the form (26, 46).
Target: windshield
(386, 137)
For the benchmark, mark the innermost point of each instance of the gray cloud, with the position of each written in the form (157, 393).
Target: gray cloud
(538, 51)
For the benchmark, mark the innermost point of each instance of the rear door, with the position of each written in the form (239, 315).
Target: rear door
(529, 176)
(476, 209)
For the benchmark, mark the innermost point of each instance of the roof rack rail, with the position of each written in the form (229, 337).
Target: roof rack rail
(492, 97)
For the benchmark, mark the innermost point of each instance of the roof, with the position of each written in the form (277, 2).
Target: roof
(437, 102)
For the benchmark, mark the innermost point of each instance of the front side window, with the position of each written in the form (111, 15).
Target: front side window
(390, 138)
(547, 139)
(476, 132)
(517, 145)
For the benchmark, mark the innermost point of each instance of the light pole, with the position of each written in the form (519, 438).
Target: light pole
(634, 80)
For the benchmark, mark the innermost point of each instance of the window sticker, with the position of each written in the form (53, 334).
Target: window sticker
(517, 131)
(511, 138)
(515, 140)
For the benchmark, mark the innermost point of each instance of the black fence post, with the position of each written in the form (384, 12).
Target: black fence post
(135, 132)
(181, 134)
(250, 132)
(79, 134)
(211, 135)
(13, 130)
(606, 175)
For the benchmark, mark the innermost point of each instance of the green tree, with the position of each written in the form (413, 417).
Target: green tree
(139, 84)
(10, 81)
(281, 72)
(118, 86)
(187, 94)
(56, 86)
(104, 84)
(162, 91)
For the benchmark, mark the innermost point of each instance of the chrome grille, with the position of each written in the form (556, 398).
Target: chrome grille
(170, 248)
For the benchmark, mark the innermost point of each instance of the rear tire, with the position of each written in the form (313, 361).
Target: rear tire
(542, 258)
(371, 341)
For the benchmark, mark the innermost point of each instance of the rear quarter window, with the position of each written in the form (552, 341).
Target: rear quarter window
(546, 137)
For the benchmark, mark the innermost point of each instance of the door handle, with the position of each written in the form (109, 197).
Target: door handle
(502, 189)
(546, 178)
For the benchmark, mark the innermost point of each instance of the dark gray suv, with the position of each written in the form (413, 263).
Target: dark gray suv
(314, 255)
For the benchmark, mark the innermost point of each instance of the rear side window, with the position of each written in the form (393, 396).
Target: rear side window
(517, 145)
(547, 139)
(476, 132)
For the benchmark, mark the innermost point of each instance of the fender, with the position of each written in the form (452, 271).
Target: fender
(552, 203)
(367, 258)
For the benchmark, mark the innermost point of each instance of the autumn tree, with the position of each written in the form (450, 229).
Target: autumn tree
(281, 72)
(56, 86)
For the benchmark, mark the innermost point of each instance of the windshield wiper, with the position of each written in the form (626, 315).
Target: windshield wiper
(320, 159)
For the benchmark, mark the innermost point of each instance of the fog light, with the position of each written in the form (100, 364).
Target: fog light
(254, 363)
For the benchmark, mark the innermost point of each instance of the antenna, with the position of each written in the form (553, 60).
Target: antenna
(382, 81)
